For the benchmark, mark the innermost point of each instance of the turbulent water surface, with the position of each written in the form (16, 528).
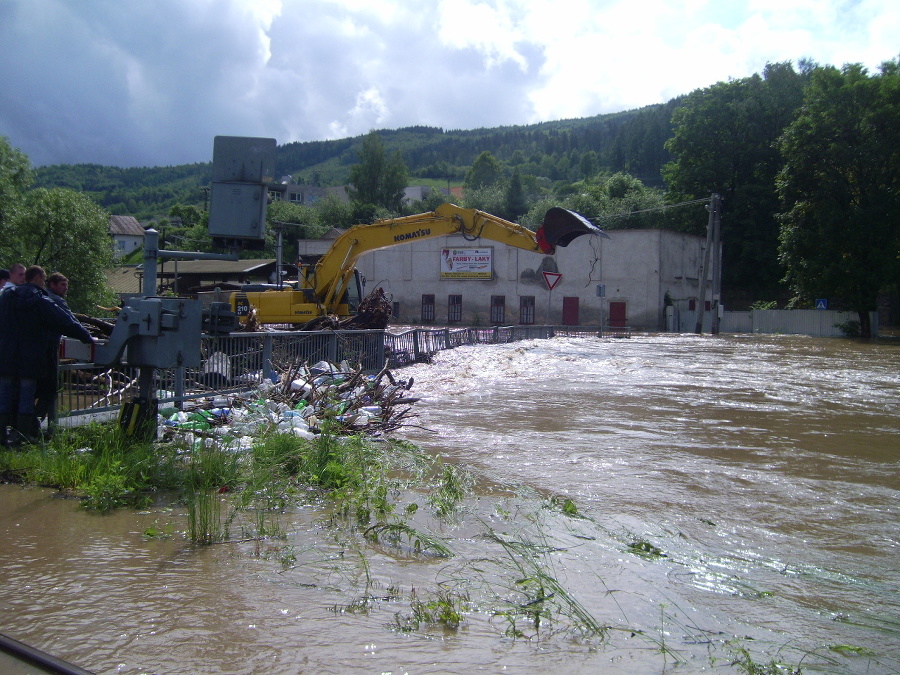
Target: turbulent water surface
(737, 506)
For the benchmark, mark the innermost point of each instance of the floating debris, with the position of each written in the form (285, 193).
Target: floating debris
(302, 401)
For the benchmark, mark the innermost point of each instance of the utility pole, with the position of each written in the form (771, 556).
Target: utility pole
(716, 263)
(713, 209)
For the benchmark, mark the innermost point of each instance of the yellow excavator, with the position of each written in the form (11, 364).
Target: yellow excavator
(330, 284)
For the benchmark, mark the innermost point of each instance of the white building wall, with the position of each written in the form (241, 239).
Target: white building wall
(126, 243)
(637, 267)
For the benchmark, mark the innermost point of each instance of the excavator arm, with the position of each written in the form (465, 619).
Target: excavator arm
(323, 286)
(334, 270)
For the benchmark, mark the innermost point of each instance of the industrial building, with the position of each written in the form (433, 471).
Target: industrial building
(626, 280)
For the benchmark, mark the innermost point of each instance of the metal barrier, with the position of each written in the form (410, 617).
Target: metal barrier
(240, 361)
(420, 344)
(230, 363)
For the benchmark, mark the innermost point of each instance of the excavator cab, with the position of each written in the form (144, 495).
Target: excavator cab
(561, 227)
(354, 294)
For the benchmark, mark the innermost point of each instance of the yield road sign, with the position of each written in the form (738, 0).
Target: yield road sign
(552, 278)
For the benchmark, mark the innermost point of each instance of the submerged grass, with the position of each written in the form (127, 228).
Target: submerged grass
(366, 491)
(98, 462)
(219, 485)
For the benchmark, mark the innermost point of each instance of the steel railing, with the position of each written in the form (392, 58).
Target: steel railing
(240, 361)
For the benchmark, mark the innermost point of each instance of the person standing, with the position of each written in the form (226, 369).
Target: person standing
(4, 279)
(17, 274)
(28, 319)
(57, 287)
(48, 387)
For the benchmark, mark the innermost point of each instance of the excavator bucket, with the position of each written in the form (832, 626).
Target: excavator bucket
(561, 226)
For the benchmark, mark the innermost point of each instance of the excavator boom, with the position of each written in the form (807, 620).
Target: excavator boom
(326, 285)
(335, 268)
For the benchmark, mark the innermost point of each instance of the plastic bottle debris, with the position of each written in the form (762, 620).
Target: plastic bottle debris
(301, 402)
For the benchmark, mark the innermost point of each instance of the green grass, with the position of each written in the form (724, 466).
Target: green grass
(108, 469)
(97, 462)
(366, 493)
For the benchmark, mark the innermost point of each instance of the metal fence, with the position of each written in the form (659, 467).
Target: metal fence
(229, 363)
(420, 344)
(240, 361)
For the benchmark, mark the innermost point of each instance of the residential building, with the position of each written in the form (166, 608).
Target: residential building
(297, 194)
(127, 234)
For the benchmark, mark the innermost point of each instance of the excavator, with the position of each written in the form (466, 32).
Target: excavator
(330, 285)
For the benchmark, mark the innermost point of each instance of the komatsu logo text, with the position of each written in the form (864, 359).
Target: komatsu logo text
(424, 232)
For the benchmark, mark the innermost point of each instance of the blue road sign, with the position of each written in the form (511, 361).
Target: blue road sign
(822, 303)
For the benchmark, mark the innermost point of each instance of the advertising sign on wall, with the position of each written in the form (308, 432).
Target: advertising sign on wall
(467, 263)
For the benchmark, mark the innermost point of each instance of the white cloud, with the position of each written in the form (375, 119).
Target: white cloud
(492, 31)
(153, 83)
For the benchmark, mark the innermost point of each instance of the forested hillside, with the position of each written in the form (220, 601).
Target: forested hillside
(145, 193)
(803, 215)
(564, 150)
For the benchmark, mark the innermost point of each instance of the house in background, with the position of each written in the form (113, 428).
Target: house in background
(415, 193)
(127, 234)
(296, 194)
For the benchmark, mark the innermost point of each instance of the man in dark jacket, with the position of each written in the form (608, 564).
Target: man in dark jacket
(45, 396)
(28, 319)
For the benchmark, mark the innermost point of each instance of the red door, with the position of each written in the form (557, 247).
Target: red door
(570, 312)
(617, 316)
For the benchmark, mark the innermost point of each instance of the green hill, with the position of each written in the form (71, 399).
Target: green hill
(562, 150)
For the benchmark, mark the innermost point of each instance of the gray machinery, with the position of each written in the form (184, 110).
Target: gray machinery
(156, 332)
(152, 333)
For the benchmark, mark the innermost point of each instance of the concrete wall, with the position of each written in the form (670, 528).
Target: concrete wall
(638, 268)
(816, 323)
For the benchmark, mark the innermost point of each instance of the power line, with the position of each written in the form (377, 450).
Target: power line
(607, 216)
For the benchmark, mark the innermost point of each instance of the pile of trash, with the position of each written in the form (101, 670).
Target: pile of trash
(303, 401)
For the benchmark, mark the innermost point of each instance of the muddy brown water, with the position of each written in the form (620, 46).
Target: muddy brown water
(758, 473)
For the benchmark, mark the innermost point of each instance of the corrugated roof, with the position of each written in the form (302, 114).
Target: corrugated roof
(218, 266)
(124, 279)
(127, 225)
(128, 278)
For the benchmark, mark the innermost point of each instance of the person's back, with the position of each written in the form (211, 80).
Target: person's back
(47, 388)
(28, 319)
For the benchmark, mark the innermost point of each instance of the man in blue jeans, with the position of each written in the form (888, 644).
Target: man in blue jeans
(28, 319)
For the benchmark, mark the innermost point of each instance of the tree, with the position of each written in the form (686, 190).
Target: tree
(617, 201)
(725, 141)
(840, 187)
(491, 199)
(333, 212)
(378, 179)
(303, 219)
(62, 230)
(189, 215)
(485, 172)
(429, 202)
(515, 203)
(15, 178)
(587, 165)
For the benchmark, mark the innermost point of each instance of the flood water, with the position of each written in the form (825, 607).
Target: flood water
(738, 500)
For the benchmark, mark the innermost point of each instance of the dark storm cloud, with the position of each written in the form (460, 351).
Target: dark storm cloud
(133, 83)
(128, 83)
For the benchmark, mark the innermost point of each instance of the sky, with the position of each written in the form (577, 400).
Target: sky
(152, 82)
